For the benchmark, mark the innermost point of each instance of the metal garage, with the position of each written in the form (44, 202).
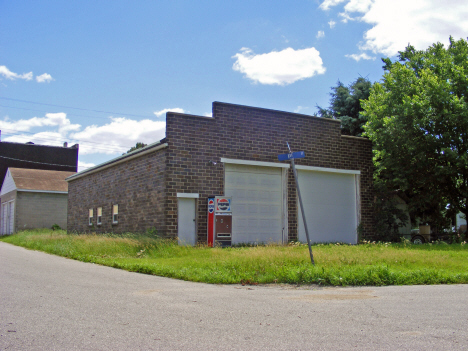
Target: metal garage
(331, 204)
(258, 200)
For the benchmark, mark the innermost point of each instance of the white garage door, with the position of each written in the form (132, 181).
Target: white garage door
(257, 203)
(330, 206)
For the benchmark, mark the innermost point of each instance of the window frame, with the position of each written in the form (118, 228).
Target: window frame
(90, 216)
(99, 215)
(115, 214)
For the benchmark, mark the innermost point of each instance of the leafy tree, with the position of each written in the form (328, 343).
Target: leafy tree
(345, 105)
(136, 147)
(418, 122)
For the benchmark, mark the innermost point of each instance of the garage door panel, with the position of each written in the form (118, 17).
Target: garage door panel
(256, 203)
(330, 205)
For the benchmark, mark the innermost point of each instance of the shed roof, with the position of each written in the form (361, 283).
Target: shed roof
(38, 179)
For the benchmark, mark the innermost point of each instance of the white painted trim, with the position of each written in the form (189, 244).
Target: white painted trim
(329, 170)
(189, 195)
(284, 185)
(115, 161)
(41, 191)
(357, 184)
(255, 163)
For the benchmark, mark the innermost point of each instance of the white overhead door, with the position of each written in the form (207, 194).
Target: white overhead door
(257, 203)
(8, 220)
(330, 205)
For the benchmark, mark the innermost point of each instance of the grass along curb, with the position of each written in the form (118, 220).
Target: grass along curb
(338, 265)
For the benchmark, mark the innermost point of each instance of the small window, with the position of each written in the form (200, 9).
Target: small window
(91, 213)
(99, 215)
(115, 214)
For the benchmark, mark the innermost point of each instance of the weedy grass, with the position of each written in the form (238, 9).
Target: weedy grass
(369, 263)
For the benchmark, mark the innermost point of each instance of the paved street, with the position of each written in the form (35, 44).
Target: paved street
(52, 303)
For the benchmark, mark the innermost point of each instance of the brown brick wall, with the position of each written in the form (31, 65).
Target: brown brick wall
(247, 133)
(137, 186)
(146, 188)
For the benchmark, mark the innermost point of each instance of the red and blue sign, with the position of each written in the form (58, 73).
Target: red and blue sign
(211, 208)
(211, 205)
(223, 204)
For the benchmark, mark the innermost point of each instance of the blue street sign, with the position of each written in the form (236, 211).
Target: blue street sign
(297, 154)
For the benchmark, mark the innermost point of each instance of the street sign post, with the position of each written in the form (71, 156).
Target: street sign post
(291, 156)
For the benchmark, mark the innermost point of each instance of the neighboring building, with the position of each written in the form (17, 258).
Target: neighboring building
(166, 185)
(32, 198)
(32, 156)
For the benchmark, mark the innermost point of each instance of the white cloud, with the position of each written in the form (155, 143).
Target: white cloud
(84, 165)
(300, 108)
(59, 120)
(399, 22)
(360, 57)
(330, 3)
(5, 72)
(44, 78)
(209, 114)
(120, 131)
(358, 5)
(163, 112)
(279, 67)
(320, 34)
(332, 24)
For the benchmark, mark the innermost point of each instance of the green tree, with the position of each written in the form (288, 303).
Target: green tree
(418, 122)
(137, 146)
(345, 105)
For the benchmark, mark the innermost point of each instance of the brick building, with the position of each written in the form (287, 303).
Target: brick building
(234, 153)
(33, 156)
(33, 198)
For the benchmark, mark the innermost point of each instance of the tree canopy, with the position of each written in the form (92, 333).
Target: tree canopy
(137, 146)
(345, 105)
(418, 122)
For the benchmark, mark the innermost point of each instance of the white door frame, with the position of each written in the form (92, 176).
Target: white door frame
(187, 218)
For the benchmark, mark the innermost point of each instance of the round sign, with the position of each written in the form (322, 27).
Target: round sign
(223, 204)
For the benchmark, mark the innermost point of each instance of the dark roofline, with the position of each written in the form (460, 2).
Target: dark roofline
(75, 146)
(275, 111)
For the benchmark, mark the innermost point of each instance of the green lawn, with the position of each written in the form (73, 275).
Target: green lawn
(364, 264)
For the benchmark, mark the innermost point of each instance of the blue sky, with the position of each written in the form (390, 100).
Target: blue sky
(103, 73)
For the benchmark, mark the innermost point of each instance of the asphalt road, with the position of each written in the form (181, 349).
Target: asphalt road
(52, 303)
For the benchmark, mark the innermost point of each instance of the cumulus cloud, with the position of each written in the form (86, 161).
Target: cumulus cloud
(399, 22)
(120, 131)
(163, 112)
(279, 67)
(320, 34)
(330, 3)
(5, 72)
(84, 165)
(332, 24)
(44, 78)
(59, 120)
(362, 56)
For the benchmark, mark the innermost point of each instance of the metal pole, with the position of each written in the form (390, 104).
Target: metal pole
(302, 208)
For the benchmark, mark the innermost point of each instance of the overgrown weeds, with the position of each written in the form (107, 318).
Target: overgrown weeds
(370, 263)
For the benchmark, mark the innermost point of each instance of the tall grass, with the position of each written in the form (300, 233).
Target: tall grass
(365, 264)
